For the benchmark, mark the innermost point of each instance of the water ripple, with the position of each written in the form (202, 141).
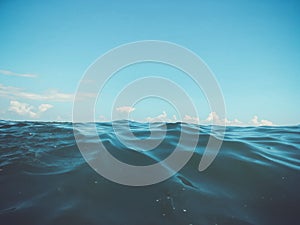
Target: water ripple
(44, 179)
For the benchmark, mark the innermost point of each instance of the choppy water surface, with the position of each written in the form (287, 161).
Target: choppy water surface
(255, 178)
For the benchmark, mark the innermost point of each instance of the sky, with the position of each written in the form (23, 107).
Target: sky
(252, 48)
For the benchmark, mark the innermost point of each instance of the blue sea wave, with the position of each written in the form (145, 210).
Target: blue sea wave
(255, 178)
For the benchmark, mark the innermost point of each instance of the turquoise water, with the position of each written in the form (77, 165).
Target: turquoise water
(255, 179)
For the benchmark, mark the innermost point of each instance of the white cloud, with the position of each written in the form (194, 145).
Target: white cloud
(44, 107)
(10, 73)
(255, 122)
(22, 109)
(212, 118)
(163, 117)
(266, 123)
(174, 118)
(54, 95)
(190, 119)
(25, 109)
(50, 96)
(125, 109)
(234, 122)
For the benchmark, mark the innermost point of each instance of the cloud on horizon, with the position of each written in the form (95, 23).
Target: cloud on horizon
(211, 118)
(25, 109)
(256, 122)
(190, 119)
(160, 118)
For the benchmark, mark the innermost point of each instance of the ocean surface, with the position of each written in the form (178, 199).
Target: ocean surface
(255, 178)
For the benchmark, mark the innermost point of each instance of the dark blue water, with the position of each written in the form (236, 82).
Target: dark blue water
(255, 179)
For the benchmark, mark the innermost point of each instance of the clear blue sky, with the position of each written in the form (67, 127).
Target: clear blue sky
(252, 47)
